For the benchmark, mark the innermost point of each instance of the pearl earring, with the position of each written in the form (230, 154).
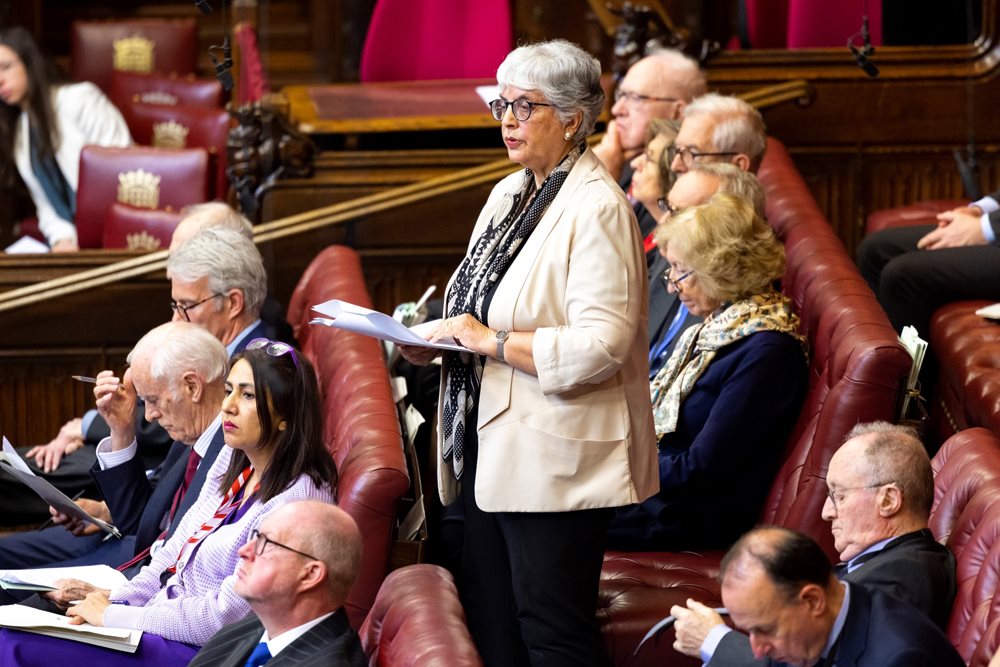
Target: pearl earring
(567, 136)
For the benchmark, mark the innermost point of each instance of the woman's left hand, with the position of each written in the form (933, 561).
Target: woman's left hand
(91, 610)
(467, 331)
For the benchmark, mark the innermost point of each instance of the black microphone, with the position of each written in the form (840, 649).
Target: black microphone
(222, 68)
(861, 55)
(203, 5)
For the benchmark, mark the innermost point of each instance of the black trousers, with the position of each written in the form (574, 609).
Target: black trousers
(529, 582)
(911, 284)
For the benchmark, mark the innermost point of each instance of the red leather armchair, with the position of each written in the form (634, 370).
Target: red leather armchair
(138, 228)
(417, 621)
(184, 126)
(138, 45)
(855, 375)
(361, 423)
(128, 88)
(153, 178)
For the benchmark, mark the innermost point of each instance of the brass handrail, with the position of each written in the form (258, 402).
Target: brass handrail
(799, 91)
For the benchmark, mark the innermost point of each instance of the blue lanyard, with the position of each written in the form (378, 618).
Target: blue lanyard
(672, 330)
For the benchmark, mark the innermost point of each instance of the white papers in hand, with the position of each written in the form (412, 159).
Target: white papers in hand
(12, 463)
(367, 322)
(44, 578)
(991, 312)
(56, 625)
(917, 347)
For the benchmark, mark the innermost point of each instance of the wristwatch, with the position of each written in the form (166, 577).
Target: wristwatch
(502, 337)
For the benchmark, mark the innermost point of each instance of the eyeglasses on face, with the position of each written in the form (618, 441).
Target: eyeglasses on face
(261, 541)
(274, 348)
(666, 207)
(688, 154)
(668, 281)
(522, 108)
(842, 491)
(636, 98)
(178, 307)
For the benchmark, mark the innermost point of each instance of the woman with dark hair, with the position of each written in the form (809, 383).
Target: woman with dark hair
(44, 124)
(274, 455)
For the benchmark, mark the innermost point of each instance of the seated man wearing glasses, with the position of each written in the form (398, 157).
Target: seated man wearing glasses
(720, 128)
(295, 572)
(881, 488)
(218, 283)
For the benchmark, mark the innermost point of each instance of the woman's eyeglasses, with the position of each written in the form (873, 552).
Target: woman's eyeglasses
(521, 107)
(668, 281)
(273, 348)
(665, 206)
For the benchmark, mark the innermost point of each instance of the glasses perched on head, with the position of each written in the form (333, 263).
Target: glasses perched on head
(842, 492)
(688, 154)
(668, 281)
(522, 108)
(178, 307)
(273, 348)
(261, 541)
(636, 98)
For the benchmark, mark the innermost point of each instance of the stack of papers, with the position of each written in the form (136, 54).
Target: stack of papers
(40, 622)
(367, 322)
(917, 347)
(12, 463)
(44, 578)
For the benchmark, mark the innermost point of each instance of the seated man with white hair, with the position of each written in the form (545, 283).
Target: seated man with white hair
(720, 128)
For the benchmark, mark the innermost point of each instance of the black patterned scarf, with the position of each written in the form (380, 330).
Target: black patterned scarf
(513, 221)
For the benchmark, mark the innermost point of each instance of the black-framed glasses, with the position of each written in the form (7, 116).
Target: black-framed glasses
(261, 541)
(637, 98)
(668, 281)
(183, 310)
(832, 493)
(273, 348)
(522, 108)
(665, 206)
(689, 154)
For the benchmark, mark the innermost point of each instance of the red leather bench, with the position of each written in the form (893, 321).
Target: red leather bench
(856, 370)
(361, 425)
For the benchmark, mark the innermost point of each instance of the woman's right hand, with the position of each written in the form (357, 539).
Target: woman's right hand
(418, 355)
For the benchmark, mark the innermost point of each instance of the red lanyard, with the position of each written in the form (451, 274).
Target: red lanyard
(229, 504)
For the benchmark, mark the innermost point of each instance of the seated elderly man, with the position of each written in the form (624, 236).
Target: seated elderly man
(296, 575)
(881, 490)
(218, 283)
(778, 586)
(67, 459)
(720, 128)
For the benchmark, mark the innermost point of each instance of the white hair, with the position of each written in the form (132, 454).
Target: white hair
(683, 71)
(738, 126)
(176, 348)
(228, 259)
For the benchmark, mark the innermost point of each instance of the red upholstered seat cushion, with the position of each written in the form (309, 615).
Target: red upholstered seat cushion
(97, 48)
(919, 213)
(139, 228)
(128, 88)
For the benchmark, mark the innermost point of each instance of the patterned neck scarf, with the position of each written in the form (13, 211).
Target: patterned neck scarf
(513, 221)
(698, 345)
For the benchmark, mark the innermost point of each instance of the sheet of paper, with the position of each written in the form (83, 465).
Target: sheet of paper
(487, 93)
(57, 625)
(26, 246)
(13, 464)
(991, 312)
(367, 322)
(101, 576)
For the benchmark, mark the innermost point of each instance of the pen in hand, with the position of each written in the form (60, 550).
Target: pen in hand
(84, 378)
(74, 499)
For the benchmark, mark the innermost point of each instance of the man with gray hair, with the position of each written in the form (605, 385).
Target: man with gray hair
(720, 128)
(199, 217)
(295, 572)
(179, 370)
(880, 493)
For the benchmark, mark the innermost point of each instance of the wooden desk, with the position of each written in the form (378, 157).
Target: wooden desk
(405, 106)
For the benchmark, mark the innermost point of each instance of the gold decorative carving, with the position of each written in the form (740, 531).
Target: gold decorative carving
(170, 134)
(133, 54)
(156, 97)
(142, 240)
(139, 188)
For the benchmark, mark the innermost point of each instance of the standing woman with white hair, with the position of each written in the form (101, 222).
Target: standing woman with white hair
(545, 425)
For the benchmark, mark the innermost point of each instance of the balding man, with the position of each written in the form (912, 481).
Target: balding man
(199, 217)
(295, 572)
(720, 128)
(880, 492)
(778, 587)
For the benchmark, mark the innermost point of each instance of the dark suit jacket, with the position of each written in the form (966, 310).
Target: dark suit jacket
(663, 306)
(332, 643)
(913, 568)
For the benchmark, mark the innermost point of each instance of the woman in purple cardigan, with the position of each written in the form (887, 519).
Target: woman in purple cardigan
(274, 455)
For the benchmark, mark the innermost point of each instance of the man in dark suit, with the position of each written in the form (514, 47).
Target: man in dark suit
(778, 586)
(879, 528)
(914, 270)
(296, 575)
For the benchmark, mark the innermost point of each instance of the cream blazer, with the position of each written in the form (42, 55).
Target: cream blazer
(84, 116)
(580, 434)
